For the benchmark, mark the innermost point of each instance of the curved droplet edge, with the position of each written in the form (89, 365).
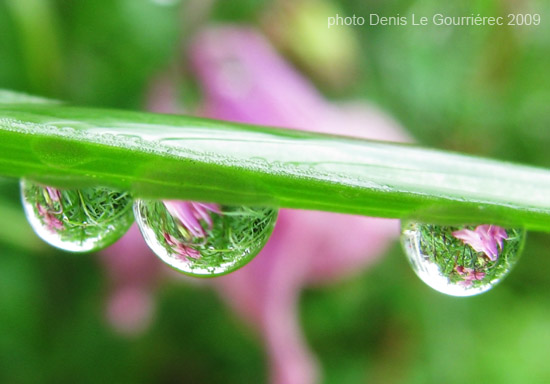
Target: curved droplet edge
(266, 235)
(424, 278)
(46, 237)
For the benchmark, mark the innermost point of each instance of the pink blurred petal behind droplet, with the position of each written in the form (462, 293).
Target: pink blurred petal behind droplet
(245, 80)
(130, 310)
(133, 271)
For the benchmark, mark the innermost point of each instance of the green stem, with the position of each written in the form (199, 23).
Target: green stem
(181, 157)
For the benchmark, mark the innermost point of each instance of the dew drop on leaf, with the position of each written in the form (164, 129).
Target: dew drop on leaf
(203, 239)
(77, 220)
(461, 260)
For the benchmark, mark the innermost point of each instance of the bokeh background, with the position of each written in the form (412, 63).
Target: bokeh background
(482, 90)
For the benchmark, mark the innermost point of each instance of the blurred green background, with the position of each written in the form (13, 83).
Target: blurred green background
(477, 90)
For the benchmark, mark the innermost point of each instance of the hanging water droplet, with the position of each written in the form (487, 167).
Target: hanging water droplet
(201, 239)
(79, 220)
(461, 261)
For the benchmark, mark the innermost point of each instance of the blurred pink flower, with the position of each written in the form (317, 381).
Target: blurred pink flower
(133, 271)
(245, 80)
(130, 309)
(484, 238)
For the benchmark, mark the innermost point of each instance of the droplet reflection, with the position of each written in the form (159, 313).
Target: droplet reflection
(461, 261)
(201, 239)
(79, 220)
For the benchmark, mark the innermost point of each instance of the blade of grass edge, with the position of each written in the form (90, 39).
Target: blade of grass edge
(169, 156)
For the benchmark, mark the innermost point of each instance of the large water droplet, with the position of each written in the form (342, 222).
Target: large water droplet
(79, 220)
(461, 261)
(201, 239)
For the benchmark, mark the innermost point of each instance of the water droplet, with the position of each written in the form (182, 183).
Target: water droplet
(461, 261)
(79, 220)
(201, 239)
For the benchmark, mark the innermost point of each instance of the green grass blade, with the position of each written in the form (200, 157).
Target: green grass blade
(168, 156)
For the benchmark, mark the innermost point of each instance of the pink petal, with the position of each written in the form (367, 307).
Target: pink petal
(201, 211)
(54, 222)
(184, 251)
(183, 211)
(41, 210)
(488, 241)
(471, 238)
(498, 234)
(54, 193)
(169, 239)
(193, 253)
(480, 240)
